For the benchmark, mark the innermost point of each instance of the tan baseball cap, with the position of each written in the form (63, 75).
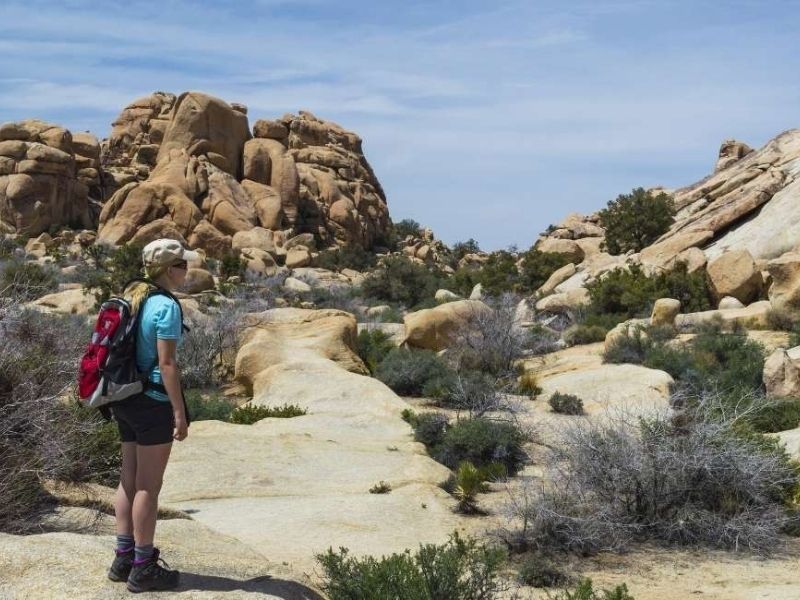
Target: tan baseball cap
(165, 253)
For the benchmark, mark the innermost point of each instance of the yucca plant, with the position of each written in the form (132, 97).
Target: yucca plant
(470, 482)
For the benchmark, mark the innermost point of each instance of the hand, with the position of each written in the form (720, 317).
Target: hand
(181, 427)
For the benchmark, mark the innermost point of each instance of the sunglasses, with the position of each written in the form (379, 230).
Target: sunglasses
(181, 265)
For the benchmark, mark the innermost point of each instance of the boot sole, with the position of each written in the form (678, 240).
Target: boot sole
(117, 578)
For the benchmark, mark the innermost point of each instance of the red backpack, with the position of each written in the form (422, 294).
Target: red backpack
(107, 372)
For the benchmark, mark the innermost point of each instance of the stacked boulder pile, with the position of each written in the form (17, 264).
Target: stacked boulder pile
(189, 167)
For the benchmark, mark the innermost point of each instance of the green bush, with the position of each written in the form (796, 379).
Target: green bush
(108, 270)
(429, 428)
(461, 249)
(468, 483)
(537, 267)
(249, 413)
(585, 334)
(407, 227)
(373, 346)
(636, 220)
(631, 349)
(27, 281)
(499, 274)
(782, 319)
(457, 570)
(407, 371)
(462, 390)
(380, 488)
(566, 404)
(400, 280)
(630, 293)
(463, 281)
(232, 265)
(391, 315)
(585, 591)
(540, 570)
(481, 442)
(348, 257)
(776, 415)
(208, 407)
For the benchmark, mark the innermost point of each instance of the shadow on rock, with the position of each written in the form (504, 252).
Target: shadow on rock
(266, 584)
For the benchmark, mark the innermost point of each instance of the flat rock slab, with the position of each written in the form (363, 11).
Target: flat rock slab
(59, 565)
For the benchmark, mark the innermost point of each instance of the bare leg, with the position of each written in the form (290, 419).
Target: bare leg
(151, 461)
(123, 500)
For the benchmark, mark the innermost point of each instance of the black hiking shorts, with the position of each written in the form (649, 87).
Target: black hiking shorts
(143, 420)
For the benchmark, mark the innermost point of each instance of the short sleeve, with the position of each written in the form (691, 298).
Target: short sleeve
(168, 321)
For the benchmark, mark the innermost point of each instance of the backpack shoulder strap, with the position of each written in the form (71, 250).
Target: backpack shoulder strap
(159, 291)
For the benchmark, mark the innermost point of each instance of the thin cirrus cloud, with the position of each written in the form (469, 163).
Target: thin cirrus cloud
(484, 120)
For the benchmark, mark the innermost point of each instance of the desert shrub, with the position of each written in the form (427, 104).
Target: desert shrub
(481, 442)
(782, 319)
(373, 346)
(390, 315)
(232, 265)
(630, 293)
(529, 384)
(632, 348)
(726, 361)
(473, 391)
(339, 297)
(492, 340)
(208, 351)
(407, 227)
(249, 413)
(107, 270)
(538, 339)
(400, 280)
(408, 371)
(25, 281)
(380, 488)
(566, 404)
(349, 257)
(429, 428)
(457, 570)
(537, 267)
(9, 248)
(499, 274)
(43, 434)
(585, 334)
(207, 407)
(540, 570)
(584, 590)
(697, 482)
(634, 221)
(461, 249)
(774, 415)
(463, 281)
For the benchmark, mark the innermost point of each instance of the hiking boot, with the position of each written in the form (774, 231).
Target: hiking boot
(150, 576)
(122, 565)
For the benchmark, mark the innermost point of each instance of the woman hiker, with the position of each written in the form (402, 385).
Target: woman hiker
(150, 421)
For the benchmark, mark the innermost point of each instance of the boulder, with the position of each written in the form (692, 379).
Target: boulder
(437, 328)
(731, 151)
(477, 292)
(267, 203)
(298, 256)
(564, 302)
(210, 239)
(781, 375)
(566, 248)
(292, 284)
(785, 273)
(202, 124)
(664, 252)
(728, 303)
(198, 280)
(664, 311)
(734, 274)
(753, 316)
(259, 263)
(67, 302)
(442, 296)
(257, 237)
(274, 130)
(558, 276)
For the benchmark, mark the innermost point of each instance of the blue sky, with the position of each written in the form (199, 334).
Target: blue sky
(487, 120)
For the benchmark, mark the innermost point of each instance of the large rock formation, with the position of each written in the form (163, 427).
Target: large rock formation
(46, 177)
(188, 167)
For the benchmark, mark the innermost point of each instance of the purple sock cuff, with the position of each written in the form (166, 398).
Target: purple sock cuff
(141, 561)
(124, 550)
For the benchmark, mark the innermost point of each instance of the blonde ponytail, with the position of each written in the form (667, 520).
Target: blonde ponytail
(136, 292)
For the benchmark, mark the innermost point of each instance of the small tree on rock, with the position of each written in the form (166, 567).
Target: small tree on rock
(634, 221)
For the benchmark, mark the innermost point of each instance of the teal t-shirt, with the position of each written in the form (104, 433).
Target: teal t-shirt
(160, 320)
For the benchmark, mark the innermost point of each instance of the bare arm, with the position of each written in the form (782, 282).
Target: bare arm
(171, 376)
